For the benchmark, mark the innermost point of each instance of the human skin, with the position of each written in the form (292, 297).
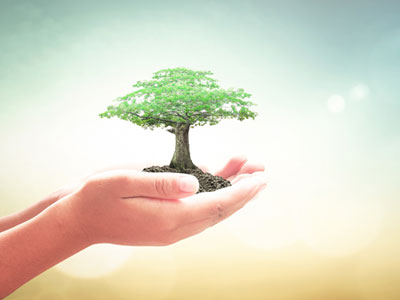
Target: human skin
(125, 207)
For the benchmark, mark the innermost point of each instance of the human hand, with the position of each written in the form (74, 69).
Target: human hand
(238, 168)
(130, 207)
(125, 207)
(235, 169)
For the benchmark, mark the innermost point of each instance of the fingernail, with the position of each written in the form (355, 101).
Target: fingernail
(188, 184)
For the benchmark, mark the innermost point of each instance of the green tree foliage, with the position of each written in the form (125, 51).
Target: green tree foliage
(178, 99)
(180, 95)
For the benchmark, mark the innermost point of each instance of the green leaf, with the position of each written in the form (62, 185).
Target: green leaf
(180, 95)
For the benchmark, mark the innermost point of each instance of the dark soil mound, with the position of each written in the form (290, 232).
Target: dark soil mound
(208, 182)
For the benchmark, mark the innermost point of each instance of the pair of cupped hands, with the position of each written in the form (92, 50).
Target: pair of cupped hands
(129, 207)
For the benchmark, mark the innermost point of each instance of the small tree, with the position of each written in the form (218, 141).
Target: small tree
(177, 99)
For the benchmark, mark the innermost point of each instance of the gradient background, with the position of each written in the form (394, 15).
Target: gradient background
(325, 75)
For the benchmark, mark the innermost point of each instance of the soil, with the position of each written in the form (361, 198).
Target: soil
(208, 182)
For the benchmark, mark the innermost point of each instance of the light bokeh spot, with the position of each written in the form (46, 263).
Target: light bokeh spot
(336, 103)
(359, 92)
(96, 261)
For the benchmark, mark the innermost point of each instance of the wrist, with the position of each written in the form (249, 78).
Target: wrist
(38, 244)
(70, 222)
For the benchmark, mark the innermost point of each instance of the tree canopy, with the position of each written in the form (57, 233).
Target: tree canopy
(180, 95)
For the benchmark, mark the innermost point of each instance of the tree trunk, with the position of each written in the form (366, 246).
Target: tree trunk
(181, 159)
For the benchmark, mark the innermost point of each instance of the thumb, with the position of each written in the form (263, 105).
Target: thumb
(161, 185)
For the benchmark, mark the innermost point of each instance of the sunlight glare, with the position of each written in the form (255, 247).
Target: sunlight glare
(263, 224)
(96, 261)
(336, 103)
(339, 226)
(359, 92)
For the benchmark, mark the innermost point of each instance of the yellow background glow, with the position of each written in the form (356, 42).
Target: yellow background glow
(325, 77)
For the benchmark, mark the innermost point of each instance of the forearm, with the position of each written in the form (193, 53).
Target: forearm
(36, 245)
(28, 213)
(15, 219)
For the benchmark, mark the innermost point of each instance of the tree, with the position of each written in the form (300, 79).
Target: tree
(178, 99)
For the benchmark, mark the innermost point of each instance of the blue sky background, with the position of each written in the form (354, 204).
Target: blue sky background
(325, 76)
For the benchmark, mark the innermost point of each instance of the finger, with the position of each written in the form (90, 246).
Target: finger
(76, 183)
(251, 167)
(205, 169)
(241, 176)
(164, 185)
(131, 183)
(214, 215)
(232, 167)
(212, 207)
(248, 168)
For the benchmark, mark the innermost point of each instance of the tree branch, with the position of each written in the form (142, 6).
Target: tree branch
(179, 115)
(153, 118)
(205, 115)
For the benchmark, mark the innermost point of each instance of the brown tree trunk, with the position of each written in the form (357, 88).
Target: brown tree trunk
(181, 159)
